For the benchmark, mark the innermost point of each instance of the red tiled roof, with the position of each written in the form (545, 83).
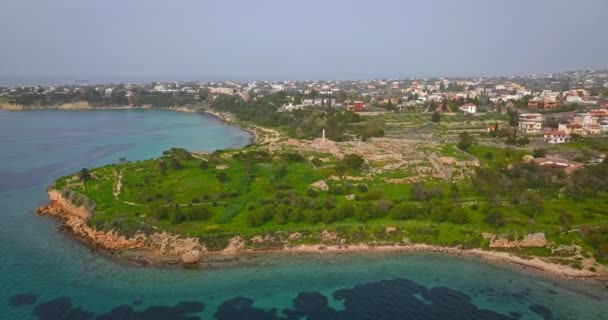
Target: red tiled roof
(555, 133)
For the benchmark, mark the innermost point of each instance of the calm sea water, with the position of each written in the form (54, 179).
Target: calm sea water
(44, 274)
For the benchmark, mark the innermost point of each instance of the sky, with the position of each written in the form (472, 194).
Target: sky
(148, 40)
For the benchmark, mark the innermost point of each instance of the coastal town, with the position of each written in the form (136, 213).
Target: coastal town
(310, 160)
(510, 165)
(533, 110)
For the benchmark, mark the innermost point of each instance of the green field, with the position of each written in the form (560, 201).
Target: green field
(251, 192)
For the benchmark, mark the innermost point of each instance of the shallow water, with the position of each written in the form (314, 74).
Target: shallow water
(44, 274)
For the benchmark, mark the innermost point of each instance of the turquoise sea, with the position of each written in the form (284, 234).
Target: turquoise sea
(45, 274)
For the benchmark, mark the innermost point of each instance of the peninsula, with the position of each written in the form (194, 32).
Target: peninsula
(336, 172)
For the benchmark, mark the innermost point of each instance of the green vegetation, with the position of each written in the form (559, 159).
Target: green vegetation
(251, 192)
(307, 123)
(118, 97)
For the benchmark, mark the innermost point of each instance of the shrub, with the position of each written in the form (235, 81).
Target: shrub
(280, 217)
(382, 208)
(159, 212)
(495, 218)
(283, 186)
(296, 216)
(198, 213)
(465, 140)
(280, 172)
(439, 213)
(312, 193)
(539, 153)
(222, 177)
(293, 157)
(314, 216)
(176, 216)
(176, 164)
(337, 190)
(84, 174)
(404, 211)
(255, 219)
(458, 215)
(328, 216)
(344, 211)
(372, 195)
(258, 218)
(362, 187)
(362, 212)
(353, 161)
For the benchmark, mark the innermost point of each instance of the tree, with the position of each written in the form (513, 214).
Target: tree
(436, 117)
(539, 153)
(439, 212)
(341, 96)
(458, 215)
(522, 141)
(404, 211)
(84, 175)
(297, 98)
(454, 191)
(418, 191)
(513, 118)
(222, 177)
(176, 216)
(353, 161)
(280, 217)
(495, 218)
(313, 95)
(533, 204)
(465, 140)
(175, 164)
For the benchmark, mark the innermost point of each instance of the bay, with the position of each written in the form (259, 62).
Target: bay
(45, 274)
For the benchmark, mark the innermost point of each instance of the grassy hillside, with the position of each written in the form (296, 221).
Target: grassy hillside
(252, 192)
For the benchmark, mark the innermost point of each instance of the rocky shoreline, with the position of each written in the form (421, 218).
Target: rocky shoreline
(227, 119)
(163, 249)
(74, 218)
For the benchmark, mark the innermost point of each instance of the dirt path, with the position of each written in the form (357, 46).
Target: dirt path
(267, 136)
(118, 184)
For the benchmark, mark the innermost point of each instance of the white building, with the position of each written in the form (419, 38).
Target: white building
(556, 137)
(221, 90)
(469, 108)
(290, 107)
(574, 99)
(530, 122)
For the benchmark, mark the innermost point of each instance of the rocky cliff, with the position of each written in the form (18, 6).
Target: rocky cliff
(75, 218)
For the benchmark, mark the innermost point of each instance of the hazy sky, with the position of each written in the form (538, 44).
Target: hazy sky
(130, 40)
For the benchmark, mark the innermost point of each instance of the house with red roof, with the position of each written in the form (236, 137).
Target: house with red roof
(555, 137)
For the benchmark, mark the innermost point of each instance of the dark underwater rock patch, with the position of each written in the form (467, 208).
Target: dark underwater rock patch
(542, 311)
(386, 299)
(22, 300)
